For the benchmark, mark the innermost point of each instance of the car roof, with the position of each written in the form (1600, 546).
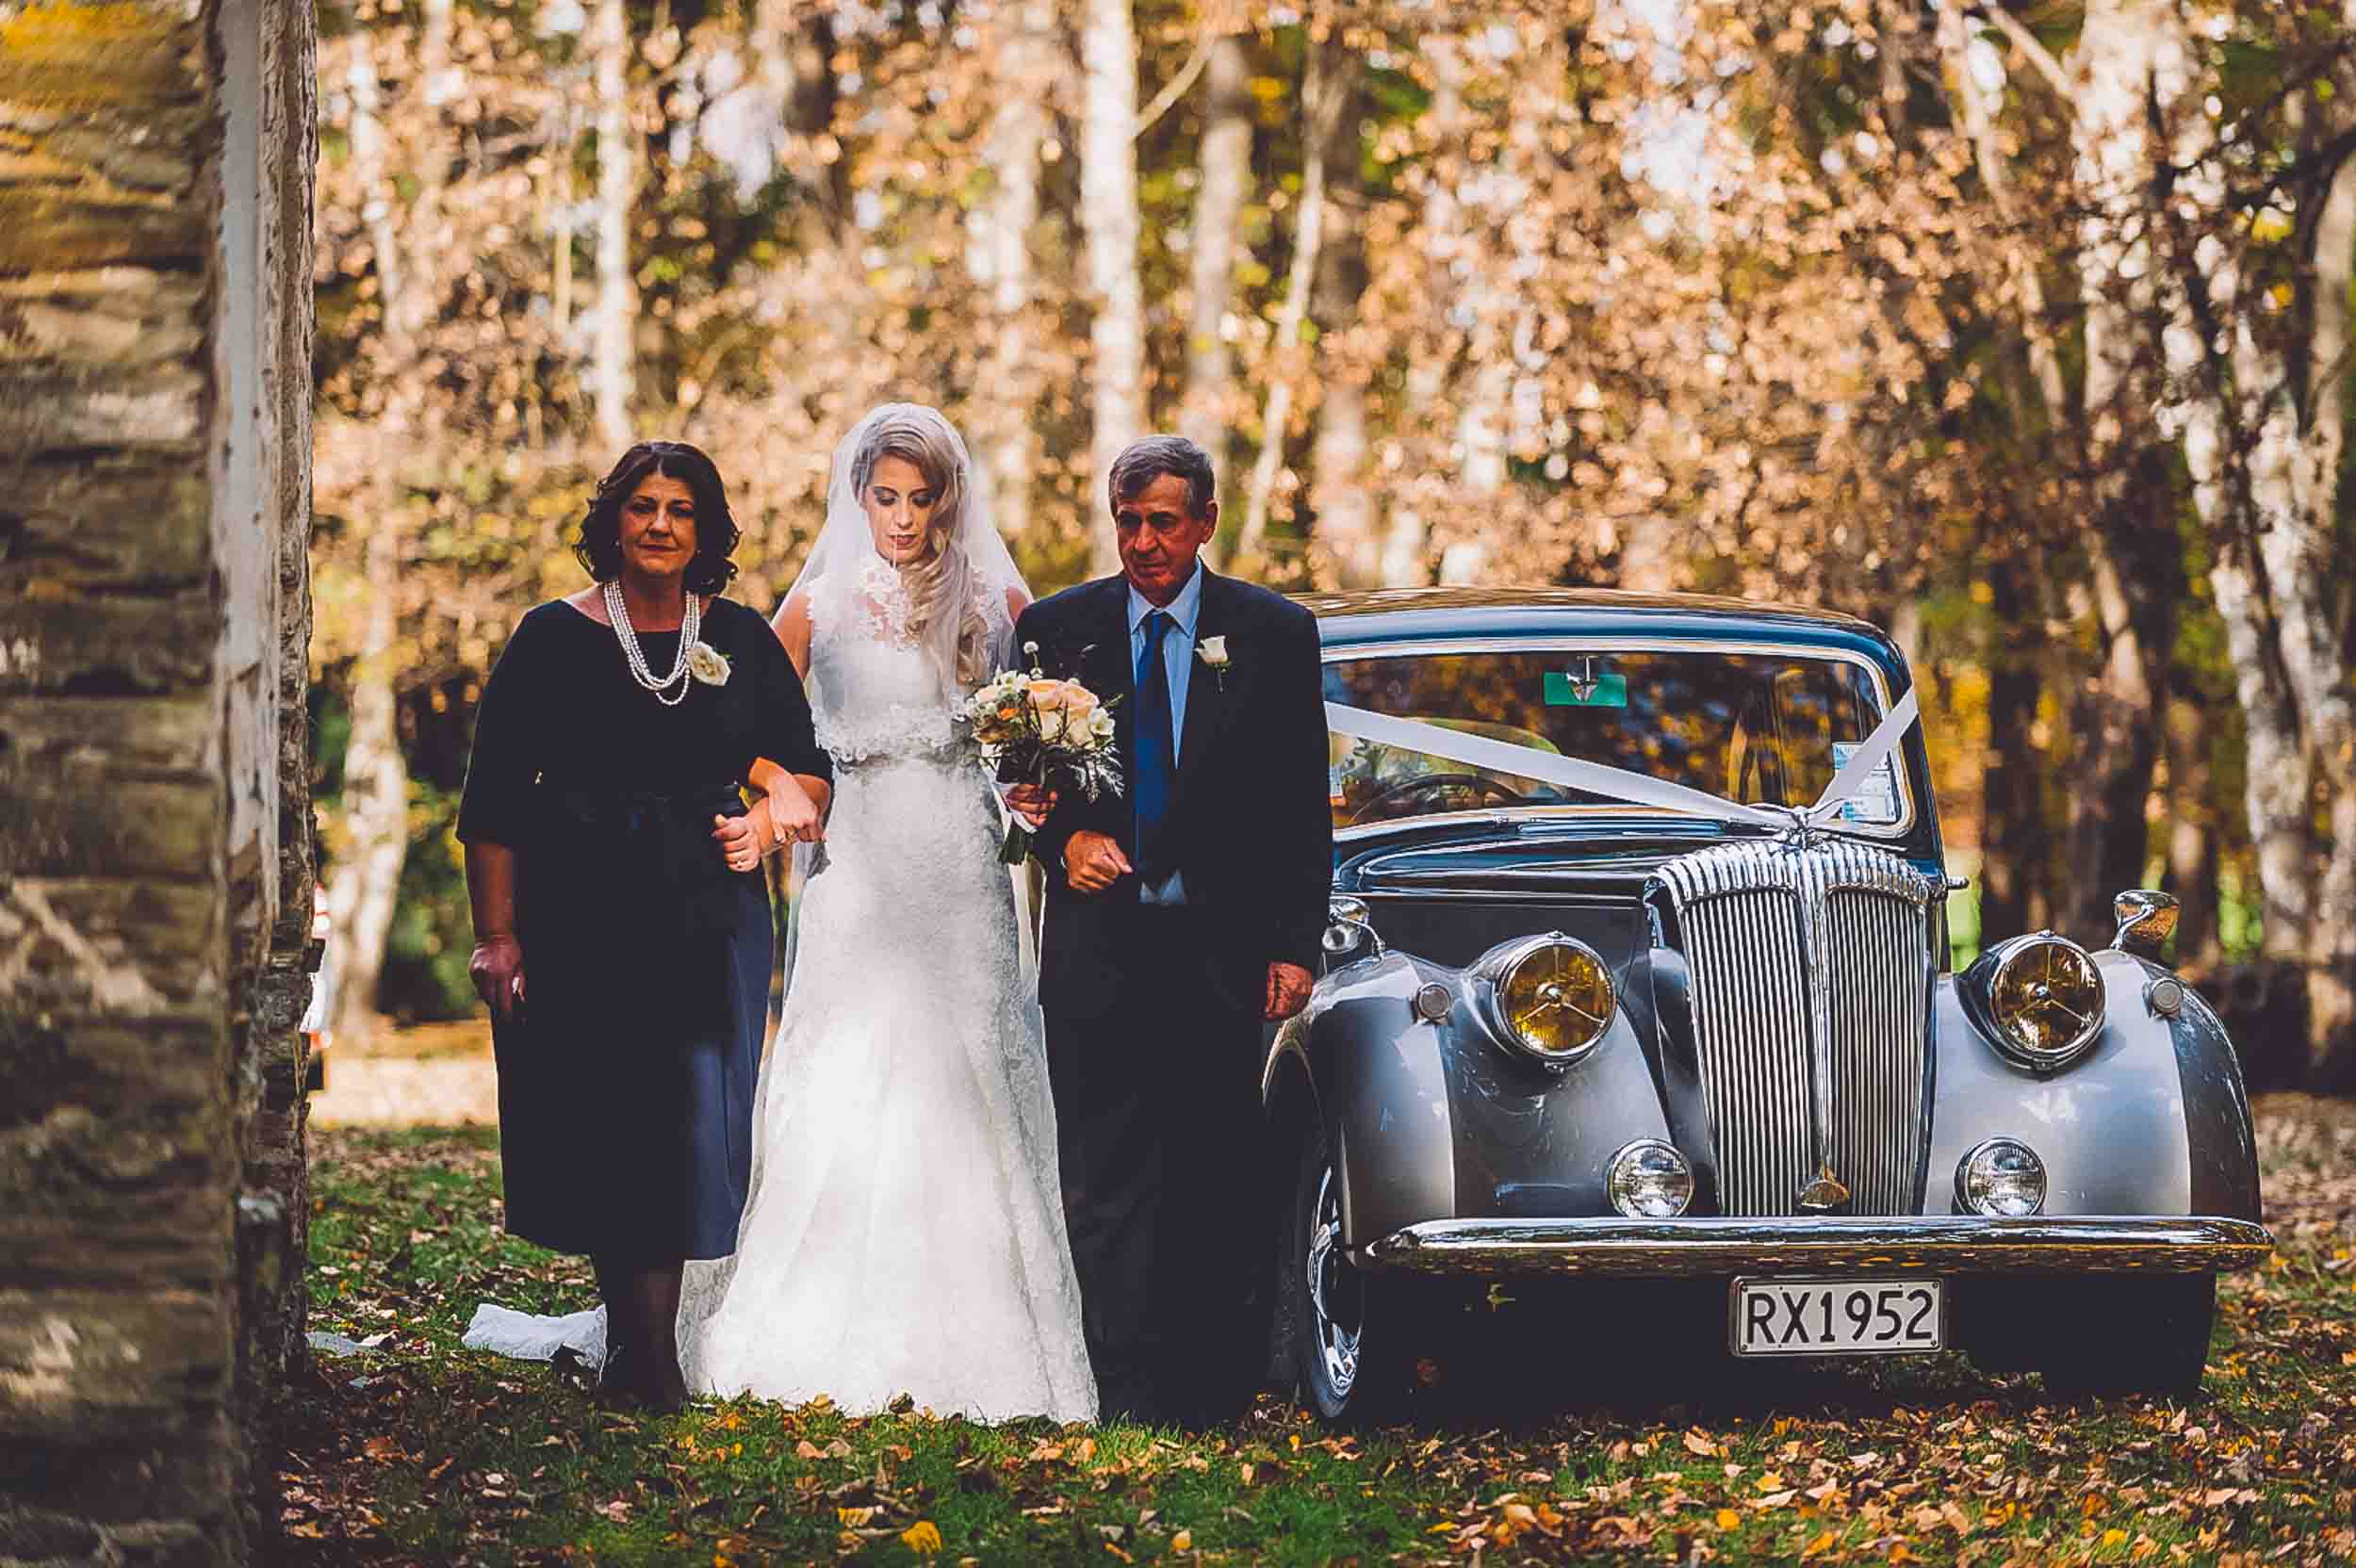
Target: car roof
(1414, 615)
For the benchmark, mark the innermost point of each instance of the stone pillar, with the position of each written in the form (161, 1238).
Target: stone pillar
(155, 162)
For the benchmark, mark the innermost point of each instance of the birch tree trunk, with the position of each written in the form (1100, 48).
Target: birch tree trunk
(1000, 258)
(2130, 68)
(1322, 96)
(2192, 850)
(376, 776)
(2263, 437)
(1108, 221)
(2302, 564)
(563, 218)
(611, 368)
(1407, 543)
(1347, 516)
(1224, 166)
(376, 785)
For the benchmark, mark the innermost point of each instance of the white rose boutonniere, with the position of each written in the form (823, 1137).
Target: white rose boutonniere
(1213, 652)
(708, 665)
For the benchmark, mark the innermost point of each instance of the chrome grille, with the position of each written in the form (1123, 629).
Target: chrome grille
(1810, 986)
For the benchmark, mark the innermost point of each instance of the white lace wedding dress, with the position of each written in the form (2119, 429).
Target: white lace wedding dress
(906, 1231)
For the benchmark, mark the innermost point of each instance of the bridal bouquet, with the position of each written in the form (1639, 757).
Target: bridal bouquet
(1055, 734)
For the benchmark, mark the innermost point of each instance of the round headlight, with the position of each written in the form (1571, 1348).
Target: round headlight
(2002, 1177)
(2046, 1000)
(1649, 1179)
(1552, 998)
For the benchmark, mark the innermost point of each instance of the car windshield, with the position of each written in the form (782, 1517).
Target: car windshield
(1769, 729)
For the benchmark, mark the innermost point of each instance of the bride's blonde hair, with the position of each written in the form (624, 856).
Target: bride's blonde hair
(942, 584)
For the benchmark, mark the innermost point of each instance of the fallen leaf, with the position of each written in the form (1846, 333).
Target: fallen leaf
(922, 1538)
(1182, 1542)
(1817, 1547)
(1729, 1519)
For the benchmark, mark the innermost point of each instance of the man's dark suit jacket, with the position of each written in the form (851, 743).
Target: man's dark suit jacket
(1250, 823)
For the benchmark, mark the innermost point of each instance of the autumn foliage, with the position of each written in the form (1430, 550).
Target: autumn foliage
(2019, 329)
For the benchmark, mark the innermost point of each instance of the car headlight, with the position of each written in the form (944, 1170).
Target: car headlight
(1649, 1179)
(2044, 999)
(1549, 997)
(2002, 1177)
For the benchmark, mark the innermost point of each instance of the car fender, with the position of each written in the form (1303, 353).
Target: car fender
(2152, 1119)
(1373, 1072)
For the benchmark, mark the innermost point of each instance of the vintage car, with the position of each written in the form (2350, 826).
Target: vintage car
(1639, 970)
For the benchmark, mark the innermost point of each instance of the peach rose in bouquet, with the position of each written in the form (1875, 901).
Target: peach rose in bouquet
(1055, 734)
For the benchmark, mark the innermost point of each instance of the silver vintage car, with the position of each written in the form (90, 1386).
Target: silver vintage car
(1639, 970)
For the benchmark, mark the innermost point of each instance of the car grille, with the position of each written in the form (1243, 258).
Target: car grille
(1810, 972)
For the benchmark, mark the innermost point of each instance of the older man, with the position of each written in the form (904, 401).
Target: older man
(1181, 917)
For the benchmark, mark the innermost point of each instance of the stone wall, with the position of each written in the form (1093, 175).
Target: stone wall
(155, 162)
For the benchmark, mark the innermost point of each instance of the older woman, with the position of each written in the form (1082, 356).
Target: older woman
(622, 924)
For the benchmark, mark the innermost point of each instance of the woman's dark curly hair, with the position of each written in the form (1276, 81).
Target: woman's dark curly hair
(599, 546)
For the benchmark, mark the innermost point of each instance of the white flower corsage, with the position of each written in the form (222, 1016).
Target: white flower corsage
(1213, 651)
(708, 665)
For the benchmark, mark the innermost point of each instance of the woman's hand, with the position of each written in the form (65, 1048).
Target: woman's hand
(497, 969)
(1033, 803)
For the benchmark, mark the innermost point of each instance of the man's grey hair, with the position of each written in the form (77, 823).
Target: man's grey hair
(1141, 463)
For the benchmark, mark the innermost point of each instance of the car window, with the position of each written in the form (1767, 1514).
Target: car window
(1763, 729)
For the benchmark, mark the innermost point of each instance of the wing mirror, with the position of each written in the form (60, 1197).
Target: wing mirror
(2146, 921)
(1348, 928)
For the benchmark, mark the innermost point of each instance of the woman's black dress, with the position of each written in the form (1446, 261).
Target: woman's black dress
(625, 1090)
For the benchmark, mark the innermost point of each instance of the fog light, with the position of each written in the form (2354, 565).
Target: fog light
(1649, 1179)
(2002, 1177)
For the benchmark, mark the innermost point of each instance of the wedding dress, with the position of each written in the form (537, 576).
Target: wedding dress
(904, 1232)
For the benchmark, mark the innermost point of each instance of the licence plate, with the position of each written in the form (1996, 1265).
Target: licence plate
(1838, 1317)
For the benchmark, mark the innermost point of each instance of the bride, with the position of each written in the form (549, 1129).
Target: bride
(906, 1231)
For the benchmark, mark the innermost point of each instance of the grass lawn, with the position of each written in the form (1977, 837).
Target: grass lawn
(419, 1451)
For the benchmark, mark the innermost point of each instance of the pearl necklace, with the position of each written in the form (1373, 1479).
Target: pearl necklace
(691, 622)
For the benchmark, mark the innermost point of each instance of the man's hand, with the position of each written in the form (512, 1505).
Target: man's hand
(497, 969)
(1032, 803)
(738, 841)
(1287, 990)
(1093, 861)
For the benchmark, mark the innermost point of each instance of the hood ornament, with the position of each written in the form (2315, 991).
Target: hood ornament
(1801, 831)
(1824, 1194)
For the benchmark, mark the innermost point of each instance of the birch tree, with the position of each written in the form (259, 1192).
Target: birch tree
(1108, 221)
(612, 368)
(1346, 515)
(1000, 258)
(376, 773)
(1407, 542)
(1223, 181)
(1324, 91)
(2265, 420)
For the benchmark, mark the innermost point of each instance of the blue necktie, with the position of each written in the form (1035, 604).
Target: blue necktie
(1157, 761)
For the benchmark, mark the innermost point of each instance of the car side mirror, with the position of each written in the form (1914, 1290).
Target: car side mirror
(2146, 921)
(1348, 928)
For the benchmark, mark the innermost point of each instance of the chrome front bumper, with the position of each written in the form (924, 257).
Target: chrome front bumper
(1940, 1244)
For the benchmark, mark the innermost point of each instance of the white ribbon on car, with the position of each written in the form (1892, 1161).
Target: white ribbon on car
(1600, 778)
